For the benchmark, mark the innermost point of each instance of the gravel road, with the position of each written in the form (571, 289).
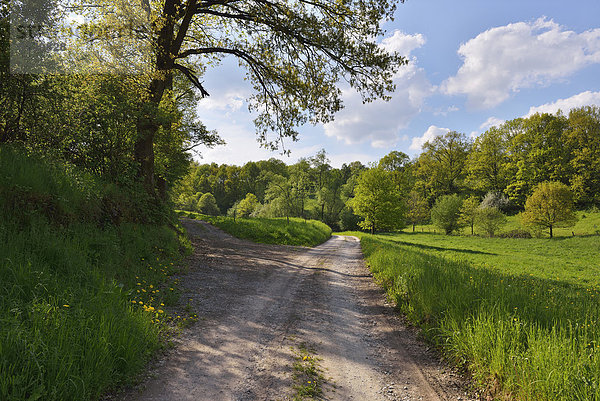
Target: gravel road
(259, 304)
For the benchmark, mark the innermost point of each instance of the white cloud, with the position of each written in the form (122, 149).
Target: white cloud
(487, 124)
(491, 122)
(379, 122)
(430, 134)
(228, 102)
(502, 60)
(583, 99)
(402, 43)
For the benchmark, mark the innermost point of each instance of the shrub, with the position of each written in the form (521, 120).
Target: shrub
(446, 212)
(208, 205)
(517, 233)
(490, 219)
(496, 199)
(248, 205)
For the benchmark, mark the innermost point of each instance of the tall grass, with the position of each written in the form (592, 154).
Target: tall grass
(520, 337)
(69, 329)
(272, 231)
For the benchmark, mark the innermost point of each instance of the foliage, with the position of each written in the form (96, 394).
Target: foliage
(521, 336)
(495, 199)
(247, 206)
(440, 167)
(417, 209)
(550, 205)
(487, 162)
(445, 213)
(294, 54)
(68, 276)
(469, 212)
(490, 219)
(377, 201)
(208, 205)
(582, 136)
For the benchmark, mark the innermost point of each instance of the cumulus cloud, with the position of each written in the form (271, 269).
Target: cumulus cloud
(430, 134)
(503, 60)
(587, 98)
(379, 122)
(228, 102)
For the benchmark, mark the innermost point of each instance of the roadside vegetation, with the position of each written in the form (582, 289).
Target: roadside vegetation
(83, 298)
(519, 315)
(270, 231)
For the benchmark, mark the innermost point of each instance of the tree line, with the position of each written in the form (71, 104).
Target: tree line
(500, 169)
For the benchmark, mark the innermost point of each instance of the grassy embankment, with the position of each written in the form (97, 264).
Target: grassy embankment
(520, 314)
(81, 297)
(270, 231)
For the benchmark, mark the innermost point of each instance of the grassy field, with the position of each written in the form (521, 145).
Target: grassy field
(521, 315)
(270, 231)
(81, 300)
(588, 223)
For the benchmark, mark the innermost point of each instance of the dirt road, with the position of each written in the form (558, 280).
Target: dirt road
(259, 305)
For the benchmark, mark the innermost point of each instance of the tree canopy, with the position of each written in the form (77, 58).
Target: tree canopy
(550, 205)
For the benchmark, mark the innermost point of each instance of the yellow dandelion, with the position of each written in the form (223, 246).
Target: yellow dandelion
(66, 306)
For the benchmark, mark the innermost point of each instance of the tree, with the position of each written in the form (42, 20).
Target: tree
(440, 168)
(445, 213)
(490, 219)
(469, 211)
(208, 205)
(399, 164)
(550, 205)
(417, 209)
(247, 206)
(487, 162)
(294, 54)
(537, 153)
(377, 201)
(583, 137)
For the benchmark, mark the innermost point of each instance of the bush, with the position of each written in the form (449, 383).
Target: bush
(445, 213)
(208, 205)
(496, 199)
(518, 233)
(490, 219)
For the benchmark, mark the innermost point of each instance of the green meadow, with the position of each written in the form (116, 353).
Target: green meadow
(520, 315)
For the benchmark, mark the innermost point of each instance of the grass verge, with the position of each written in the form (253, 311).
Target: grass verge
(81, 299)
(521, 337)
(270, 231)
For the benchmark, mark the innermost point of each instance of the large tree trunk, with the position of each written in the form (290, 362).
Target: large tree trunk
(148, 124)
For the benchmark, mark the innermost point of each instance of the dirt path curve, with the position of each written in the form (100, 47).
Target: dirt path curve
(259, 303)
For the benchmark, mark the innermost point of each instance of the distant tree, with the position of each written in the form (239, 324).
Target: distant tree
(247, 206)
(445, 213)
(417, 209)
(537, 152)
(377, 201)
(583, 137)
(550, 205)
(441, 166)
(208, 205)
(490, 219)
(401, 168)
(487, 162)
(469, 211)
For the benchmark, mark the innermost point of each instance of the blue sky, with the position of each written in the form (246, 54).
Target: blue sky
(473, 64)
